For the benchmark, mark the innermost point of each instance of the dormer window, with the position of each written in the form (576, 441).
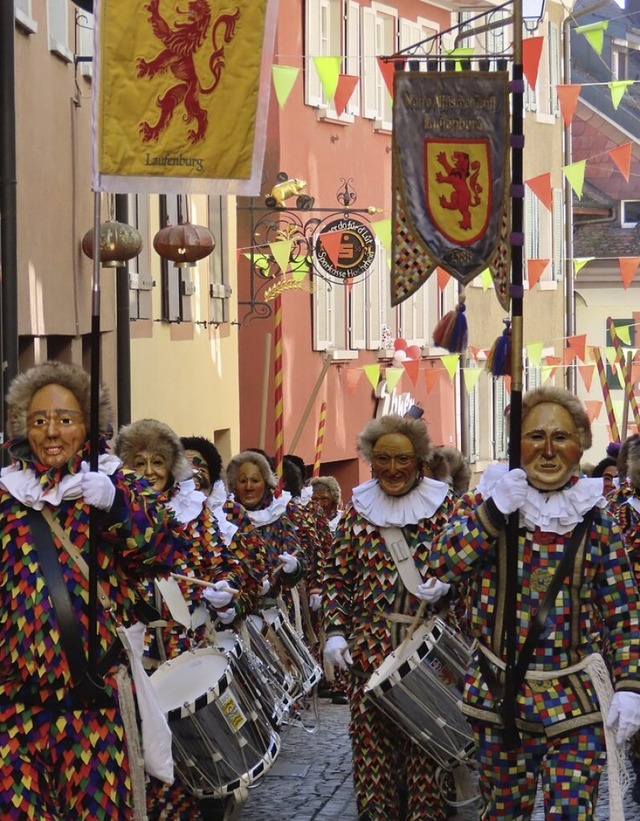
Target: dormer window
(630, 213)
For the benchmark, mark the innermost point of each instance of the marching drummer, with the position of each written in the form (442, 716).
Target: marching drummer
(368, 609)
(568, 720)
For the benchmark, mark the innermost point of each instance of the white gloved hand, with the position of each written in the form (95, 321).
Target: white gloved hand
(432, 590)
(227, 616)
(219, 595)
(266, 586)
(510, 492)
(289, 563)
(336, 652)
(97, 488)
(625, 710)
(315, 601)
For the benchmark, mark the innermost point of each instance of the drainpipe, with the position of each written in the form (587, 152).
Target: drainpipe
(123, 329)
(8, 208)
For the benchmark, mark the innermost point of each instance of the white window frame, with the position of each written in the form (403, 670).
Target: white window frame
(357, 301)
(380, 312)
(140, 280)
(24, 16)
(379, 37)
(619, 59)
(623, 222)
(557, 262)
(473, 438)
(58, 28)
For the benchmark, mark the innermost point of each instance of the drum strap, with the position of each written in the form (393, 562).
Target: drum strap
(401, 554)
(539, 621)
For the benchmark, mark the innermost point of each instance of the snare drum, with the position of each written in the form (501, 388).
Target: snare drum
(420, 687)
(222, 741)
(292, 651)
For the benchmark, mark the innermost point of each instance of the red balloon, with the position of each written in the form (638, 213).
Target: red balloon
(414, 351)
(400, 344)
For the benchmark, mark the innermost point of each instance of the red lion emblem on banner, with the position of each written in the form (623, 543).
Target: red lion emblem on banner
(463, 177)
(180, 44)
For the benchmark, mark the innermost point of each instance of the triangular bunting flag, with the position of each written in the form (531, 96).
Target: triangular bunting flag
(372, 373)
(610, 355)
(412, 366)
(443, 278)
(351, 378)
(382, 229)
(328, 69)
(622, 158)
(575, 176)
(618, 88)
(534, 353)
(392, 375)
(461, 54)
(541, 187)
(594, 32)
(450, 362)
(535, 269)
(623, 332)
(346, 86)
(578, 344)
(332, 243)
(431, 378)
(568, 99)
(486, 279)
(506, 381)
(281, 253)
(471, 376)
(531, 51)
(387, 67)
(284, 78)
(579, 263)
(593, 408)
(628, 268)
(586, 372)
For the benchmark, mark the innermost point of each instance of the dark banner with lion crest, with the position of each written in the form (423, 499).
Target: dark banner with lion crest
(181, 95)
(451, 205)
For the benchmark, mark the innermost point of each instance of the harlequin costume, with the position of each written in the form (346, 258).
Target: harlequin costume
(560, 706)
(366, 602)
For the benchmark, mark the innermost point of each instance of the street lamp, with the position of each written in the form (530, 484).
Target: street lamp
(532, 13)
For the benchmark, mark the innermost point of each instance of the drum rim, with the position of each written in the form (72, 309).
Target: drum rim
(217, 689)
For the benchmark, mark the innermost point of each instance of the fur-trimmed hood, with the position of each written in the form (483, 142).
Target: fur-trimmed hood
(157, 437)
(73, 378)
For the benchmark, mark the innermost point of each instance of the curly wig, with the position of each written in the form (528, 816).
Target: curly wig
(209, 453)
(450, 465)
(414, 429)
(331, 485)
(72, 377)
(254, 458)
(563, 397)
(156, 437)
(629, 450)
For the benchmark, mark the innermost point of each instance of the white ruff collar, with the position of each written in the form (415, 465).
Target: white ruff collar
(188, 502)
(24, 486)
(553, 511)
(215, 501)
(270, 514)
(383, 510)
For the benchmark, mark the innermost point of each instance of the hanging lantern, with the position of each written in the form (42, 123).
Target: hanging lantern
(118, 243)
(184, 244)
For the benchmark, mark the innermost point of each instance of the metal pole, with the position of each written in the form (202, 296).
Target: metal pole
(123, 335)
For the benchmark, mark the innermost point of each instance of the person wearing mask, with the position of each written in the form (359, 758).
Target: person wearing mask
(564, 720)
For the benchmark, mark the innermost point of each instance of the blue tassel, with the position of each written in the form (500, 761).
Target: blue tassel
(499, 359)
(452, 332)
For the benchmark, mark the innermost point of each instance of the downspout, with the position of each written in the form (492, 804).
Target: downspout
(123, 327)
(8, 208)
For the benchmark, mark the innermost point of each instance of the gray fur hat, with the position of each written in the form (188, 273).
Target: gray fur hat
(157, 437)
(331, 484)
(414, 429)
(254, 458)
(450, 465)
(72, 377)
(563, 397)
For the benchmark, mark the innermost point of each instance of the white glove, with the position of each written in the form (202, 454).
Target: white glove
(219, 595)
(227, 616)
(625, 709)
(336, 652)
(432, 590)
(97, 488)
(510, 492)
(315, 601)
(266, 586)
(289, 563)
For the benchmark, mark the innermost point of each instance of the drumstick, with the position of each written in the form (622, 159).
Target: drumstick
(201, 582)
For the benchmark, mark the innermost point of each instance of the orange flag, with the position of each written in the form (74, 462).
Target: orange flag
(628, 268)
(578, 346)
(535, 269)
(332, 243)
(541, 187)
(593, 408)
(351, 378)
(431, 377)
(346, 86)
(586, 372)
(387, 67)
(531, 51)
(622, 158)
(568, 98)
(443, 278)
(412, 366)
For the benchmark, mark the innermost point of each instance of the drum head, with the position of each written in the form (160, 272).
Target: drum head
(183, 680)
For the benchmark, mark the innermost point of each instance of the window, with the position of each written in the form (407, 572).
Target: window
(219, 289)
(496, 39)
(472, 421)
(58, 22)
(24, 16)
(553, 56)
(379, 38)
(557, 271)
(328, 315)
(620, 61)
(140, 280)
(380, 312)
(84, 46)
(630, 213)
(332, 30)
(538, 227)
(413, 318)
(500, 433)
(177, 282)
(412, 33)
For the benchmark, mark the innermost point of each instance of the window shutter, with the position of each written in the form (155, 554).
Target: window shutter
(499, 439)
(472, 417)
(358, 314)
(374, 286)
(323, 314)
(369, 64)
(554, 68)
(353, 64)
(558, 235)
(313, 36)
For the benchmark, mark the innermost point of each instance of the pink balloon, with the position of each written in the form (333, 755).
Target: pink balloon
(400, 344)
(414, 351)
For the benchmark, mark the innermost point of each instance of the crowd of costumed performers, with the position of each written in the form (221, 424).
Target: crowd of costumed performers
(167, 619)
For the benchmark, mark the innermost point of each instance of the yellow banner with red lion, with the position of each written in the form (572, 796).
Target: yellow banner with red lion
(181, 97)
(451, 203)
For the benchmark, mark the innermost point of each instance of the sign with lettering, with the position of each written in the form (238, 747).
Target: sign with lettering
(345, 248)
(392, 402)
(451, 202)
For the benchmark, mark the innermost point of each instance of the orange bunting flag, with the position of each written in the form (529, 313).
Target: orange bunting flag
(578, 345)
(593, 408)
(622, 158)
(387, 68)
(568, 99)
(541, 187)
(346, 86)
(351, 378)
(531, 52)
(535, 269)
(332, 244)
(587, 372)
(412, 367)
(443, 278)
(628, 268)
(431, 377)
